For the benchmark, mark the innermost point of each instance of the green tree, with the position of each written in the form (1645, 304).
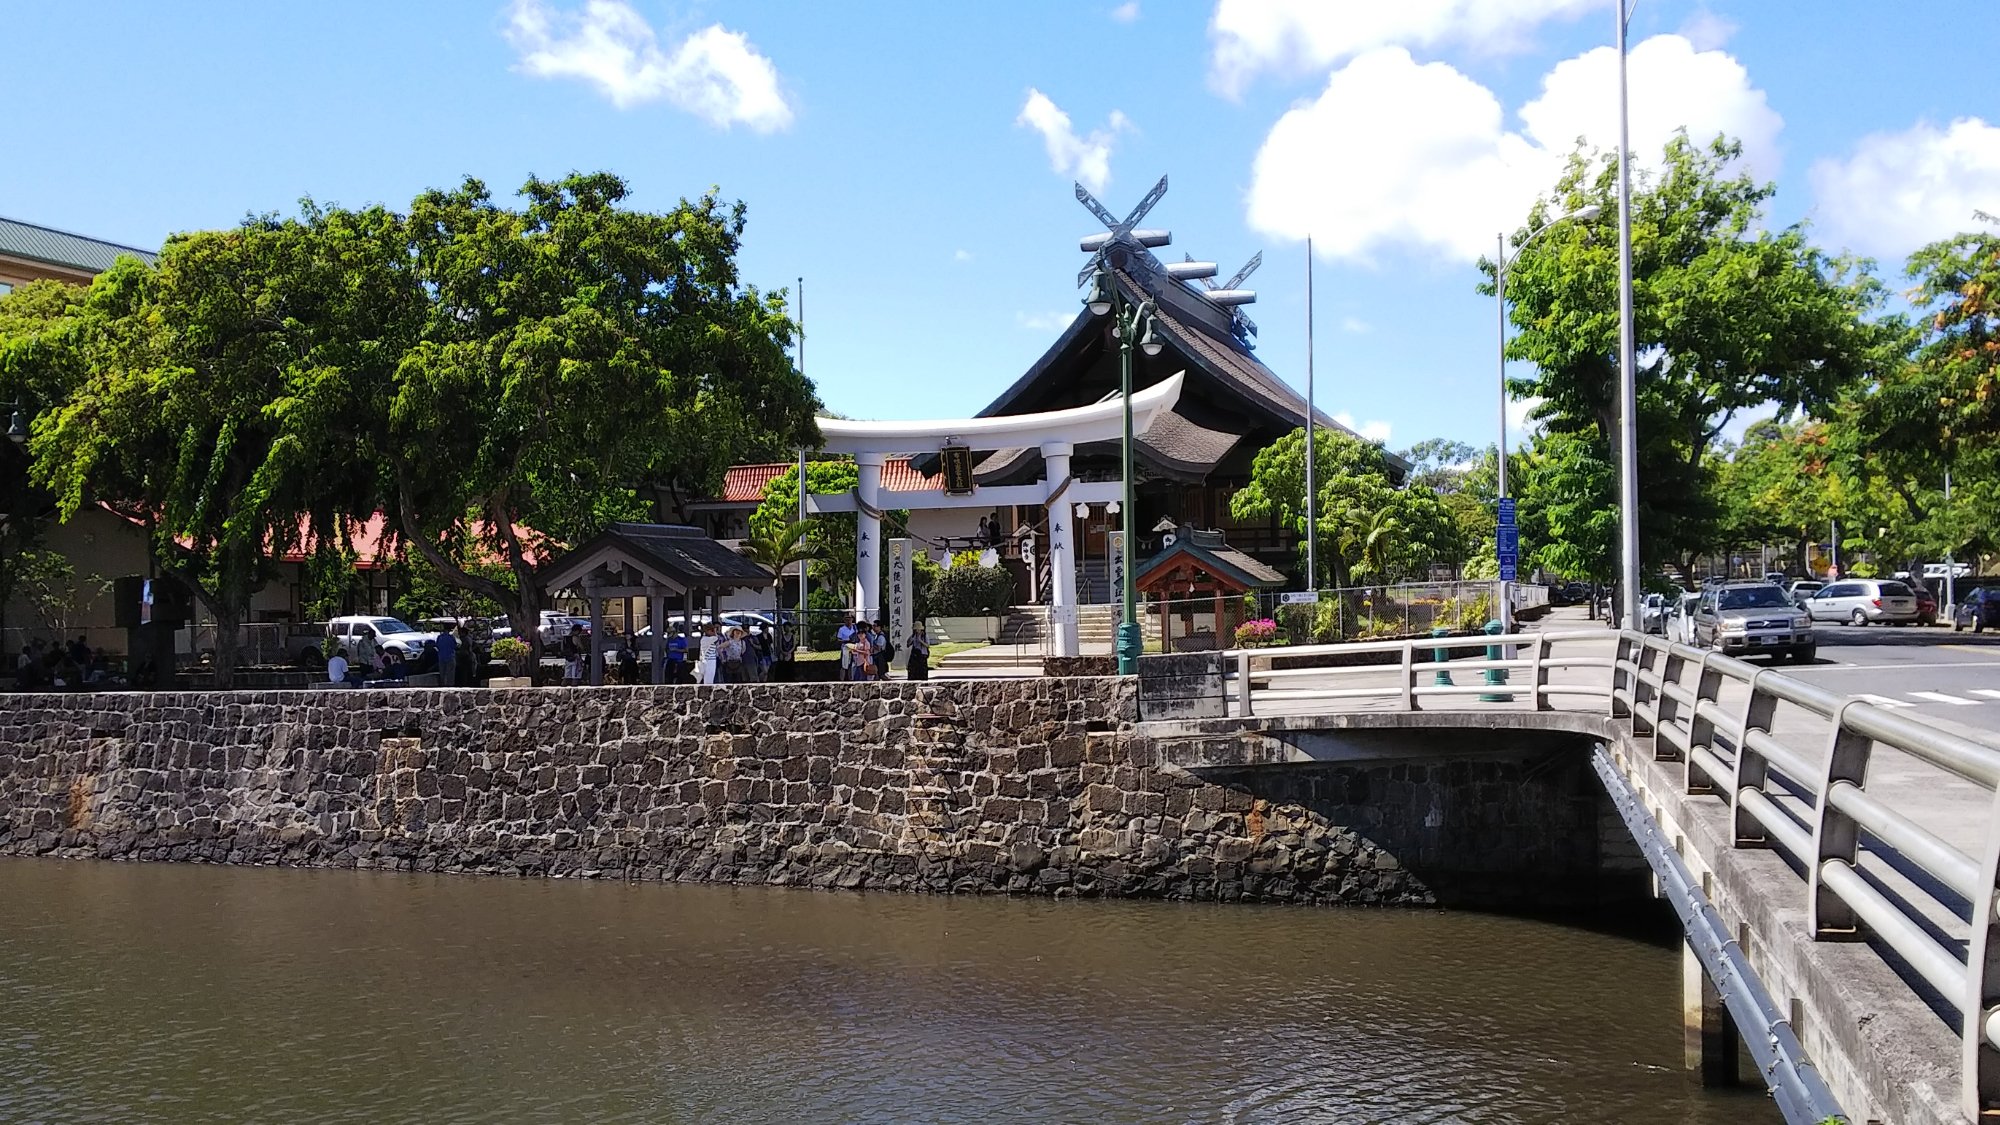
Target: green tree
(1367, 526)
(832, 536)
(1568, 521)
(573, 357)
(1729, 315)
(186, 405)
(779, 548)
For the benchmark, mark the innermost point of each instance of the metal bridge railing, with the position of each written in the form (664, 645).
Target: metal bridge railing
(1714, 713)
(1816, 809)
(1524, 680)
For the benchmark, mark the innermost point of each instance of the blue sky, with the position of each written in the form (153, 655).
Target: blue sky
(897, 158)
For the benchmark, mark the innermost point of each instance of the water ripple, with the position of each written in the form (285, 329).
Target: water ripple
(155, 993)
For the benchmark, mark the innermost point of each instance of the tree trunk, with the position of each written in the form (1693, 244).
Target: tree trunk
(227, 621)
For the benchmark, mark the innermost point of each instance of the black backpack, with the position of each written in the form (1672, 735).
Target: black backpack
(888, 652)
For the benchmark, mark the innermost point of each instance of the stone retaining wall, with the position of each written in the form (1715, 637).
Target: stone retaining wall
(1025, 786)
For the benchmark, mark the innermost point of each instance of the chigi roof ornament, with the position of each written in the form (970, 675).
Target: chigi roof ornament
(1133, 249)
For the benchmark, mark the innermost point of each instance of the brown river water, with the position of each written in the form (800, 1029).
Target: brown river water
(164, 993)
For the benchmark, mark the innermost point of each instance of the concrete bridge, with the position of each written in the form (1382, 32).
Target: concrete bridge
(1833, 863)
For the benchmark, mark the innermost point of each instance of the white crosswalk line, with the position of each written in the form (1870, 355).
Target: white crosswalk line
(1941, 697)
(1882, 700)
(1990, 693)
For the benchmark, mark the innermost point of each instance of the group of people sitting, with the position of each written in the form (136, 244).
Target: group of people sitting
(42, 666)
(866, 650)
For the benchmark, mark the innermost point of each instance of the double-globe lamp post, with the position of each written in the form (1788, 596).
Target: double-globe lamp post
(1128, 320)
(1500, 264)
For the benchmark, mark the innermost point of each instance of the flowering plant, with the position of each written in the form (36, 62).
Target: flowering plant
(1260, 633)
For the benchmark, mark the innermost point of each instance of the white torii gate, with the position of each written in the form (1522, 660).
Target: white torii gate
(1056, 433)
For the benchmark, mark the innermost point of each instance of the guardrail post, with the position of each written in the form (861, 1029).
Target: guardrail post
(1836, 837)
(1243, 682)
(1752, 770)
(1979, 1008)
(1538, 674)
(1409, 676)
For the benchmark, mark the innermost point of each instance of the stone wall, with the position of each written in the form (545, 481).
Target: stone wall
(1025, 786)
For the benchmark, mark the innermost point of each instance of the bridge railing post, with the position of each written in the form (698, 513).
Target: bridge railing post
(1538, 673)
(1644, 689)
(1979, 1008)
(1409, 676)
(1620, 678)
(1752, 769)
(1672, 671)
(1701, 729)
(1836, 836)
(1243, 705)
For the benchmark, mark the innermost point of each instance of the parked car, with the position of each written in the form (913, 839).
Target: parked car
(389, 634)
(1653, 614)
(1803, 588)
(1744, 618)
(1980, 609)
(556, 625)
(1859, 601)
(1680, 617)
(1927, 606)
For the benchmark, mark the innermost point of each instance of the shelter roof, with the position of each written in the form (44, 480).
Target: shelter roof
(1211, 552)
(681, 557)
(61, 248)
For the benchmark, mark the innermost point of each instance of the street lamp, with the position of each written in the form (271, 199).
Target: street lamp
(1500, 264)
(1628, 387)
(1128, 320)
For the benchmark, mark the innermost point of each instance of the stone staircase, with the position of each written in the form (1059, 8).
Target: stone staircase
(1028, 625)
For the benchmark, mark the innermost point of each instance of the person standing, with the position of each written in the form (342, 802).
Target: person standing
(362, 659)
(575, 647)
(918, 664)
(711, 653)
(885, 649)
(677, 659)
(447, 650)
(861, 657)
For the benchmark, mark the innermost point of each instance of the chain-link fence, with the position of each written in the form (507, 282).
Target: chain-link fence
(1379, 612)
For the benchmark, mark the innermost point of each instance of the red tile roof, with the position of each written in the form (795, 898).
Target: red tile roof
(745, 484)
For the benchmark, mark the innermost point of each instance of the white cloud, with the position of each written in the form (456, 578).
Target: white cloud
(1370, 430)
(1044, 321)
(1706, 30)
(1128, 12)
(1899, 191)
(961, 255)
(714, 73)
(1296, 36)
(1518, 422)
(1088, 158)
(1398, 153)
(1355, 325)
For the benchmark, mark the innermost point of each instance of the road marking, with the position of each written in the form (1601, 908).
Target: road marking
(1941, 697)
(1968, 648)
(1882, 700)
(1988, 692)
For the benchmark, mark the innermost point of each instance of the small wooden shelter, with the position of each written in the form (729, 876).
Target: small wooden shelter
(1194, 563)
(656, 561)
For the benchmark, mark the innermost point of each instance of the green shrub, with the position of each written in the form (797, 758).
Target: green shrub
(971, 590)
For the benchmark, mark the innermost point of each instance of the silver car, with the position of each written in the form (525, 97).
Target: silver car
(1746, 618)
(1859, 601)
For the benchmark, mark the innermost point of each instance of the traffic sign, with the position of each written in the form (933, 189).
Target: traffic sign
(1506, 509)
(1507, 539)
(1509, 568)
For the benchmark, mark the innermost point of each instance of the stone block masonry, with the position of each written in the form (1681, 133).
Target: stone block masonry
(1038, 786)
